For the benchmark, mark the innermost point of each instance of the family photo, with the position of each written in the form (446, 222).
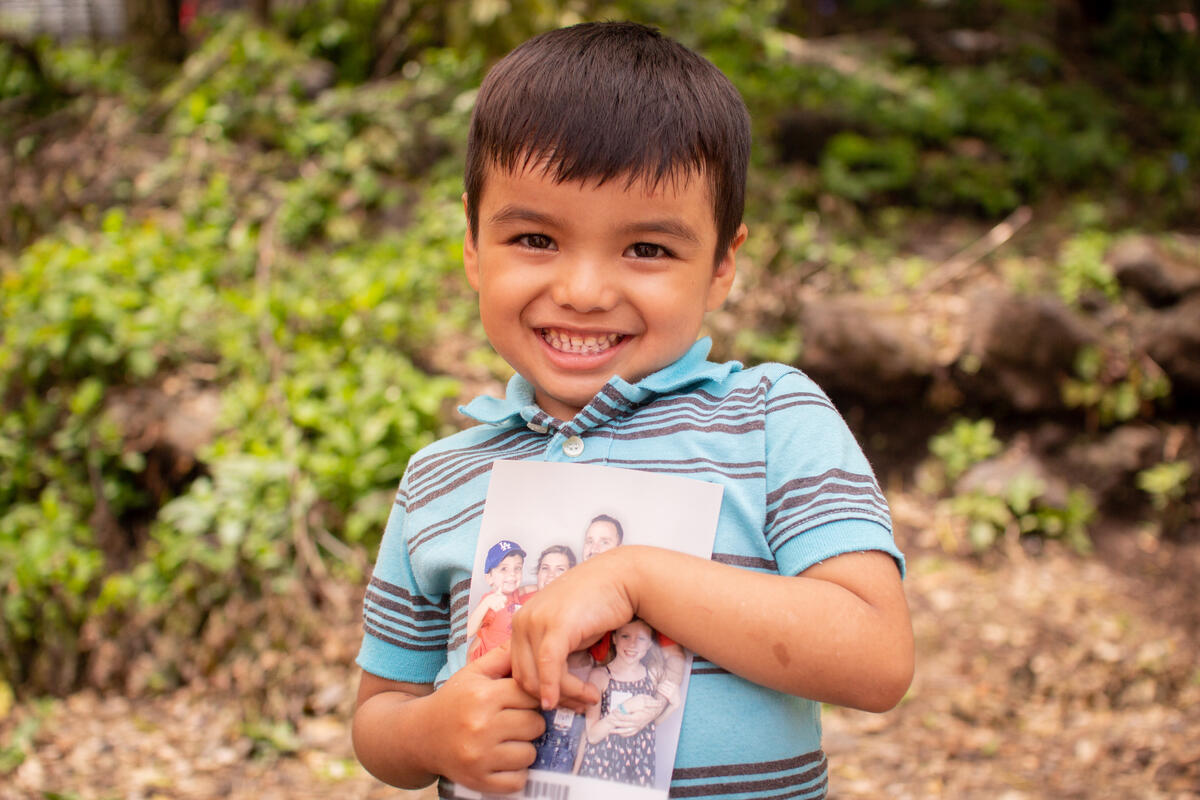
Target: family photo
(527, 540)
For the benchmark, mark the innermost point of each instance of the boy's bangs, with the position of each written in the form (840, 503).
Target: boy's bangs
(562, 166)
(589, 141)
(604, 101)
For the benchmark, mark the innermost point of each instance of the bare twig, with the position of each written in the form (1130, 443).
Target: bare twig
(831, 54)
(957, 265)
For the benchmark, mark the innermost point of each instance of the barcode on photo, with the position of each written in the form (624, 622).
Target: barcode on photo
(547, 789)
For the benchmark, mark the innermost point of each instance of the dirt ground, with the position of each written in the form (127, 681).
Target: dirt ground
(1039, 675)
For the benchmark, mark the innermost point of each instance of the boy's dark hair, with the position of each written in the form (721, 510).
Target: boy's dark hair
(616, 525)
(606, 99)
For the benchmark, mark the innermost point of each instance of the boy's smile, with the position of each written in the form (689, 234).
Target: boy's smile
(579, 282)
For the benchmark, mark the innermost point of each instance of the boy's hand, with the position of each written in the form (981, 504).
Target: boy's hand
(487, 726)
(573, 612)
(495, 601)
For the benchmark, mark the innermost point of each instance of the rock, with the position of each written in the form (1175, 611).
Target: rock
(1140, 264)
(171, 423)
(1172, 338)
(1108, 464)
(1019, 348)
(865, 346)
(801, 134)
(997, 475)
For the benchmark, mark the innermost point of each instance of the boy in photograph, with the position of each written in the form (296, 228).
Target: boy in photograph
(490, 623)
(604, 189)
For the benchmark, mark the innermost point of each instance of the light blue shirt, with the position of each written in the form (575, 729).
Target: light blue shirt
(797, 491)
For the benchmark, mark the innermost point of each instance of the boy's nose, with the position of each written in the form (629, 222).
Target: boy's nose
(584, 285)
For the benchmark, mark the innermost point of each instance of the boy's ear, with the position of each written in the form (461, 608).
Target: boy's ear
(470, 252)
(723, 275)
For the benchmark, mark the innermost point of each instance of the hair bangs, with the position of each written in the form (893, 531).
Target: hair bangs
(604, 101)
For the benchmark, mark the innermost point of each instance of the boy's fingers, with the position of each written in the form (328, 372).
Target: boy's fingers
(495, 663)
(506, 782)
(520, 700)
(551, 669)
(521, 725)
(523, 669)
(578, 691)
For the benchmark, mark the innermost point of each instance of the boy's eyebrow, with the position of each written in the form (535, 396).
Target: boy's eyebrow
(668, 226)
(512, 213)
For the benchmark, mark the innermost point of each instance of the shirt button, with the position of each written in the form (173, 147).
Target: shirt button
(573, 446)
(533, 426)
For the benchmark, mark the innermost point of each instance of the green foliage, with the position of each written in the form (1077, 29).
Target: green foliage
(1113, 388)
(1082, 268)
(964, 445)
(754, 345)
(341, 33)
(83, 67)
(859, 168)
(20, 742)
(1166, 483)
(272, 737)
(1023, 509)
(17, 78)
(252, 76)
(320, 408)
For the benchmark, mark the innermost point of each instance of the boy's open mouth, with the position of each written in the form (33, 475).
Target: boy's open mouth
(580, 344)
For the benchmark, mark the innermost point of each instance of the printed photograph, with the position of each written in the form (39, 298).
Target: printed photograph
(531, 535)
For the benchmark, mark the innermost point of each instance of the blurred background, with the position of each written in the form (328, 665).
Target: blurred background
(231, 309)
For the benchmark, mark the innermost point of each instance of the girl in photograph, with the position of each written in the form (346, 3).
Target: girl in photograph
(615, 751)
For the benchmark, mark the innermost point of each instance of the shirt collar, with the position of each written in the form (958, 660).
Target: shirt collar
(518, 403)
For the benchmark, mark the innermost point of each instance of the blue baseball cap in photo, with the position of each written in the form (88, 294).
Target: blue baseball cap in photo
(500, 551)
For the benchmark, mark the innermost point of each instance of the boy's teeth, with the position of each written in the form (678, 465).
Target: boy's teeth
(575, 343)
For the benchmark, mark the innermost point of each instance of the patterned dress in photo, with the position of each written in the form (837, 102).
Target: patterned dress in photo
(627, 759)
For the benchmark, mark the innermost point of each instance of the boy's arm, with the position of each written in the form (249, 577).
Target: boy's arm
(839, 632)
(492, 601)
(475, 730)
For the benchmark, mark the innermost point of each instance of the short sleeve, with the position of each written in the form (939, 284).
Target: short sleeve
(822, 496)
(405, 633)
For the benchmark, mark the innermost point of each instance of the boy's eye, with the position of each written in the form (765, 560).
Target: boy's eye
(537, 241)
(648, 250)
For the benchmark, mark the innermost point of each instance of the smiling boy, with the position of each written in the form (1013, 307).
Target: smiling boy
(604, 190)
(490, 623)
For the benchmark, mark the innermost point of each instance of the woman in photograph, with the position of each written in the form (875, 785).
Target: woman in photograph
(615, 750)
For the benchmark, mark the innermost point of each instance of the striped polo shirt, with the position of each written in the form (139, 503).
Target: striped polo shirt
(797, 491)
